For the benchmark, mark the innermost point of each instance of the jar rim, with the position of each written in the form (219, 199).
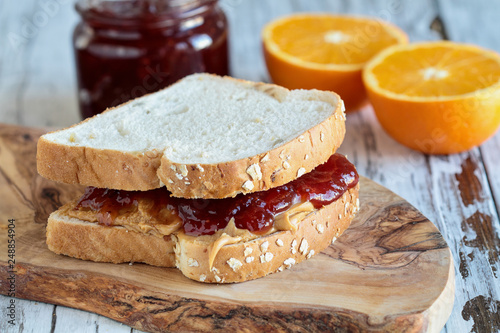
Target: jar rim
(146, 13)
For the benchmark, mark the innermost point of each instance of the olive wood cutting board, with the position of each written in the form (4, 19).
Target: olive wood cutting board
(390, 271)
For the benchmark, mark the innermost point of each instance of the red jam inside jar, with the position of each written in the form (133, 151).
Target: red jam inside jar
(254, 212)
(128, 48)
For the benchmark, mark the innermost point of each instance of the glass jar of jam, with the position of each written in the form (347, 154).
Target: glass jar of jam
(128, 48)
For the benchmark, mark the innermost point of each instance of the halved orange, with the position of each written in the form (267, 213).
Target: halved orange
(436, 97)
(327, 52)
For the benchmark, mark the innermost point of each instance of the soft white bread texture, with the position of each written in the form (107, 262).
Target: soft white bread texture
(236, 262)
(203, 137)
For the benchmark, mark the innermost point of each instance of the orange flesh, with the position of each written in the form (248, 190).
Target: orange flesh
(332, 40)
(436, 72)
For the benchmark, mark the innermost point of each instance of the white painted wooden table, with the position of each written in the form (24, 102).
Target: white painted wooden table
(459, 193)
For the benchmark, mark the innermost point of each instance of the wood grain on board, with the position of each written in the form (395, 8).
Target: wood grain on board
(391, 271)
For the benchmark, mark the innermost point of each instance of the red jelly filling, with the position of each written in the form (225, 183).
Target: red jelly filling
(254, 211)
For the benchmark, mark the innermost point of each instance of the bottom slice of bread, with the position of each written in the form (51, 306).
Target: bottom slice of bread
(92, 241)
(237, 262)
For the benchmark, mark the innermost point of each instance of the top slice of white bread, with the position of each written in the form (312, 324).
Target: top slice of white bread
(203, 137)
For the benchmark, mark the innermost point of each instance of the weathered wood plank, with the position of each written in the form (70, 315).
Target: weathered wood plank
(244, 42)
(491, 160)
(35, 317)
(454, 193)
(31, 317)
(471, 225)
(86, 322)
(472, 22)
(478, 248)
(36, 59)
(472, 30)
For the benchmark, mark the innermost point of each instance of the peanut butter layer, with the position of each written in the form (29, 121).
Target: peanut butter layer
(137, 218)
(164, 222)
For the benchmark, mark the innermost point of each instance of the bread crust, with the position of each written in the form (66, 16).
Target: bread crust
(98, 167)
(91, 241)
(334, 220)
(108, 168)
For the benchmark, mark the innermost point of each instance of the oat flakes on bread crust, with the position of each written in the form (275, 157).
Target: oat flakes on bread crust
(274, 168)
(67, 155)
(236, 263)
(233, 263)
